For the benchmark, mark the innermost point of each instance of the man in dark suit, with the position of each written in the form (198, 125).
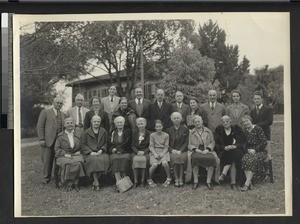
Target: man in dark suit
(161, 110)
(50, 124)
(181, 107)
(262, 116)
(213, 110)
(140, 105)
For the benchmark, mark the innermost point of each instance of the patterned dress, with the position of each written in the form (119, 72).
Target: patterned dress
(255, 139)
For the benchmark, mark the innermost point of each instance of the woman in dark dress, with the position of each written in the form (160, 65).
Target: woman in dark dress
(195, 110)
(94, 147)
(120, 149)
(140, 148)
(201, 146)
(96, 110)
(68, 157)
(230, 142)
(127, 113)
(178, 143)
(256, 153)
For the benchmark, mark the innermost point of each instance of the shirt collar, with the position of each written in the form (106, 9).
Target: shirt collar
(55, 111)
(68, 133)
(137, 100)
(260, 106)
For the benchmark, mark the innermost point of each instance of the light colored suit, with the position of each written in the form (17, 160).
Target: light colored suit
(47, 130)
(110, 107)
(236, 118)
(214, 116)
(73, 112)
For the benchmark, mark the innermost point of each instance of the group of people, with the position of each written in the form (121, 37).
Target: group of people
(121, 136)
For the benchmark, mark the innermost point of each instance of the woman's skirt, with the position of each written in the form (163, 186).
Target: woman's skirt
(178, 159)
(231, 156)
(70, 168)
(96, 164)
(140, 162)
(153, 160)
(120, 162)
(204, 160)
(254, 163)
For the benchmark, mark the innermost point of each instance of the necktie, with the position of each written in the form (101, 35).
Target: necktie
(112, 99)
(139, 101)
(57, 113)
(257, 109)
(59, 121)
(212, 106)
(79, 116)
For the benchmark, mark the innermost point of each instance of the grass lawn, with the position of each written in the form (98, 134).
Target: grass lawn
(265, 198)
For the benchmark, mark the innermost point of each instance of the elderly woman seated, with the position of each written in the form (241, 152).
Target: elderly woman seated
(120, 148)
(140, 148)
(201, 144)
(94, 147)
(178, 143)
(68, 157)
(256, 153)
(230, 141)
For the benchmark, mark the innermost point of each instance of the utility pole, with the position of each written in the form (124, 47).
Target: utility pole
(142, 65)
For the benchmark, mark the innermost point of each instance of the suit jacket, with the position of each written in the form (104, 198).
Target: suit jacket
(106, 105)
(74, 111)
(63, 146)
(237, 119)
(184, 111)
(264, 119)
(162, 114)
(136, 146)
(47, 126)
(122, 147)
(104, 119)
(214, 116)
(89, 143)
(146, 106)
(181, 140)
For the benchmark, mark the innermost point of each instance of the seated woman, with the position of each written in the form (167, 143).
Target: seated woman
(159, 153)
(68, 157)
(201, 144)
(230, 141)
(140, 148)
(127, 113)
(179, 137)
(256, 153)
(94, 147)
(120, 142)
(195, 110)
(96, 110)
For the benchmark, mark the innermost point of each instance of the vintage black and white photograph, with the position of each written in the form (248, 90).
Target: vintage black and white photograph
(152, 114)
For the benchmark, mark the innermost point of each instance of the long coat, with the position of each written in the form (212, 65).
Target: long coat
(264, 119)
(122, 147)
(162, 114)
(180, 140)
(214, 116)
(236, 118)
(62, 145)
(104, 119)
(184, 111)
(89, 143)
(47, 126)
(207, 137)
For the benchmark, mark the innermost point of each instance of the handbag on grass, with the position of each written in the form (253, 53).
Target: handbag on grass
(124, 184)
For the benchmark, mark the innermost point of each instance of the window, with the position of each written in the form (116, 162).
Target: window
(104, 92)
(94, 92)
(90, 94)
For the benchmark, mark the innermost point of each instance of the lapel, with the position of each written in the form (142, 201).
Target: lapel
(91, 133)
(240, 111)
(52, 115)
(66, 139)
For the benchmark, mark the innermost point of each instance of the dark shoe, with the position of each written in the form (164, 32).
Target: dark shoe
(76, 187)
(69, 188)
(233, 187)
(144, 184)
(209, 186)
(195, 186)
(176, 183)
(135, 185)
(221, 178)
(93, 188)
(44, 182)
(246, 188)
(97, 188)
(180, 183)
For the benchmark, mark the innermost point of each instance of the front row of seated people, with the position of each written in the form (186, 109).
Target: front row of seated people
(142, 151)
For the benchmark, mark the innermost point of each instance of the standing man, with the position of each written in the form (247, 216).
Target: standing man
(214, 110)
(140, 105)
(50, 123)
(181, 107)
(111, 102)
(262, 116)
(161, 110)
(78, 114)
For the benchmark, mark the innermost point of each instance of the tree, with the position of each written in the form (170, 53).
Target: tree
(117, 45)
(226, 57)
(189, 72)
